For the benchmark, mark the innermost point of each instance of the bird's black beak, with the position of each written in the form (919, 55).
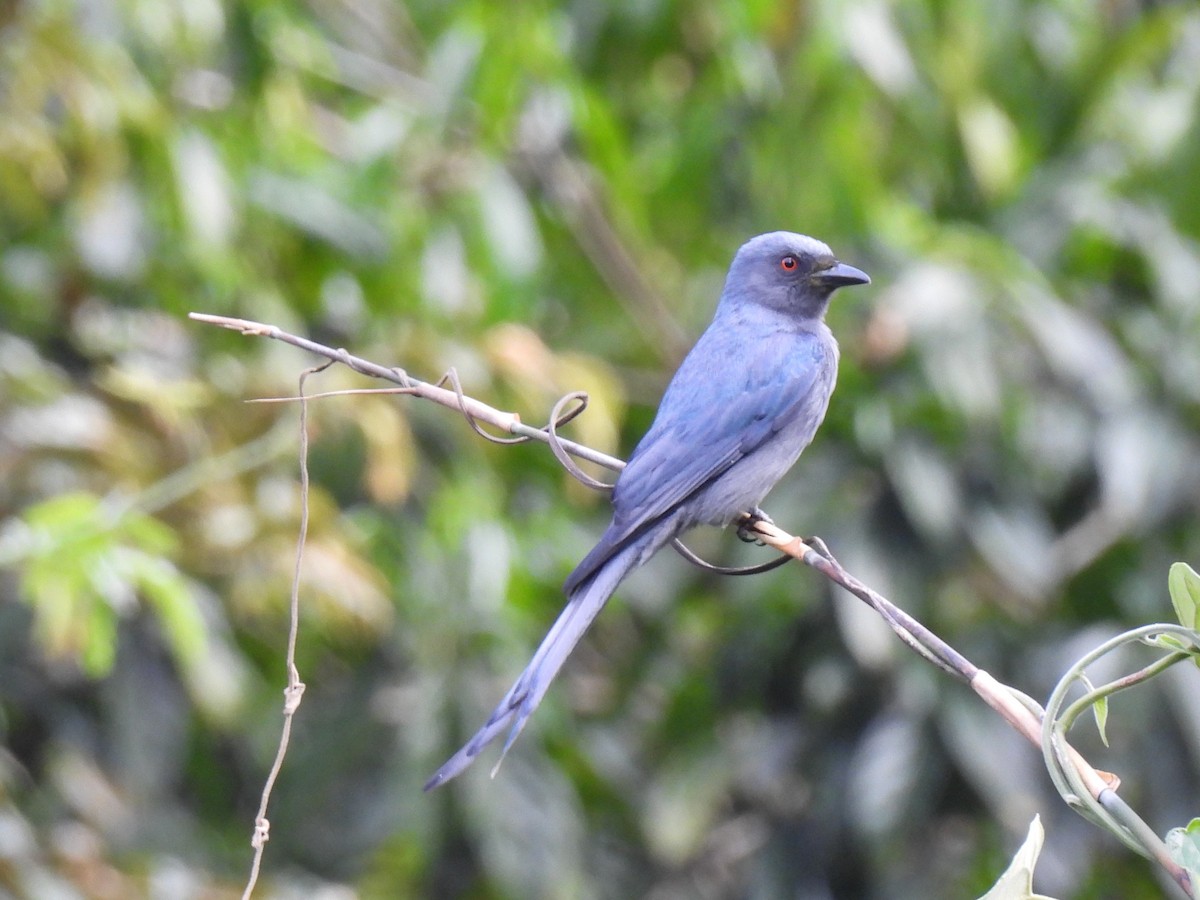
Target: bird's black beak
(841, 275)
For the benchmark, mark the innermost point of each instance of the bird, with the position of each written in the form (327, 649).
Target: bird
(744, 403)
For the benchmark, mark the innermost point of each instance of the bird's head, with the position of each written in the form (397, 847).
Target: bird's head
(789, 272)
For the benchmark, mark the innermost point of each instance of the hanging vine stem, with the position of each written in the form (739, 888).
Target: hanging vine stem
(294, 692)
(1107, 809)
(1020, 711)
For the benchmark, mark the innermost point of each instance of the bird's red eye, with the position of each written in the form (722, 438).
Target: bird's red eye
(789, 263)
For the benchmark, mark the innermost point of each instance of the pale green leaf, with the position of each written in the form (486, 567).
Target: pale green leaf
(1099, 709)
(1184, 585)
(165, 589)
(1167, 642)
(1184, 846)
(81, 563)
(1017, 881)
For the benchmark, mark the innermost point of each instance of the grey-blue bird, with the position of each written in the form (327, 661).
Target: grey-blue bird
(746, 401)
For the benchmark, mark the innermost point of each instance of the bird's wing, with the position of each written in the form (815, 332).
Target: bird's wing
(684, 452)
(680, 460)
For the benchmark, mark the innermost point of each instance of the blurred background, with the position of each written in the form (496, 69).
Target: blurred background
(545, 197)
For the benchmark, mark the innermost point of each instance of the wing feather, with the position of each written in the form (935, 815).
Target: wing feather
(681, 455)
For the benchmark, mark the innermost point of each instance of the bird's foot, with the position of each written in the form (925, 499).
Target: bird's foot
(745, 529)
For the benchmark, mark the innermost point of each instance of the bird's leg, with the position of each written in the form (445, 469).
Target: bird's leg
(818, 545)
(745, 529)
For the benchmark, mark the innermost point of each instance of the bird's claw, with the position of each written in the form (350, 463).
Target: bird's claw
(745, 529)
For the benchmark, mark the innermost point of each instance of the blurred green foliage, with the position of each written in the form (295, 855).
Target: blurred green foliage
(545, 197)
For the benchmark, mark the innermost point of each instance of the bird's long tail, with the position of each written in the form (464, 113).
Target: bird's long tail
(584, 603)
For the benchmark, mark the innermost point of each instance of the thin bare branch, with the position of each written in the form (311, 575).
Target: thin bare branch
(506, 421)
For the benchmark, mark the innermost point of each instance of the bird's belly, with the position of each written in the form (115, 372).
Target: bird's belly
(745, 484)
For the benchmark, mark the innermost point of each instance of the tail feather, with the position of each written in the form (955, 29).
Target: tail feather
(584, 603)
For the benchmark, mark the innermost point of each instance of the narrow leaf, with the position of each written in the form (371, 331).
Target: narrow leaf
(1099, 709)
(1017, 881)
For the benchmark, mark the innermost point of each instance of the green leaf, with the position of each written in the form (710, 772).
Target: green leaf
(169, 592)
(1183, 844)
(1167, 642)
(1017, 881)
(1184, 585)
(85, 562)
(1099, 709)
(99, 651)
